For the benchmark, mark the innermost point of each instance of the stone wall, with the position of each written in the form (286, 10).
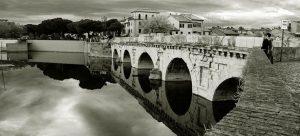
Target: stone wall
(4, 42)
(17, 56)
(100, 49)
(290, 42)
(202, 40)
(288, 53)
(17, 47)
(59, 57)
(57, 45)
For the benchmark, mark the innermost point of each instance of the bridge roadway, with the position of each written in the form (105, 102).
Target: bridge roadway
(269, 105)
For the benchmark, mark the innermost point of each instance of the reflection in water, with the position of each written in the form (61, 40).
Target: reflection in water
(156, 104)
(127, 69)
(172, 103)
(78, 72)
(115, 64)
(143, 77)
(115, 60)
(35, 105)
(179, 96)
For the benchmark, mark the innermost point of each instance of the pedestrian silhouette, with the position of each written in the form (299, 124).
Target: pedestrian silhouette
(267, 47)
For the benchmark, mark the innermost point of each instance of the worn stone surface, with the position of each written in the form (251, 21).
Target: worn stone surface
(288, 54)
(99, 49)
(269, 104)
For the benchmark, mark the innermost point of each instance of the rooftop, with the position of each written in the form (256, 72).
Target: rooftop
(193, 17)
(181, 18)
(187, 18)
(146, 10)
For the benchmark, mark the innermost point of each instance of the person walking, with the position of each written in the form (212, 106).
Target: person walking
(267, 47)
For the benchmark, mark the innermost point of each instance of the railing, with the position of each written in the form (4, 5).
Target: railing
(226, 41)
(238, 52)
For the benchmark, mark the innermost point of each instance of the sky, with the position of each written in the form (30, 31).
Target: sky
(249, 13)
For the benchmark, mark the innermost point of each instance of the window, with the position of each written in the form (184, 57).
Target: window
(197, 25)
(146, 16)
(181, 25)
(189, 32)
(140, 30)
(140, 23)
(181, 32)
(139, 16)
(176, 32)
(190, 25)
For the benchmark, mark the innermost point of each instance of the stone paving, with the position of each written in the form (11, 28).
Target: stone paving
(269, 105)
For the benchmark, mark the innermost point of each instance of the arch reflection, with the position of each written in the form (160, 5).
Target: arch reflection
(145, 65)
(178, 86)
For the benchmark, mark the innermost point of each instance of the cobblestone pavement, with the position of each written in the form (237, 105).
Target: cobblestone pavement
(290, 73)
(269, 104)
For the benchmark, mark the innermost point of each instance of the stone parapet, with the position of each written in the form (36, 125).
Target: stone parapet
(237, 52)
(203, 40)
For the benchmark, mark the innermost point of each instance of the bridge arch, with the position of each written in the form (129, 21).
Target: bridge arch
(145, 61)
(145, 65)
(226, 96)
(127, 64)
(126, 56)
(178, 86)
(178, 70)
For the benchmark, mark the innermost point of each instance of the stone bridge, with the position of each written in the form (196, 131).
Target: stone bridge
(212, 70)
(269, 104)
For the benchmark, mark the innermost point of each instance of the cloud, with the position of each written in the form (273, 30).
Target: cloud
(34, 105)
(32, 11)
(264, 16)
(119, 117)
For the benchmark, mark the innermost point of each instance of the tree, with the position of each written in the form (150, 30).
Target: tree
(72, 28)
(52, 26)
(31, 30)
(10, 30)
(115, 26)
(156, 25)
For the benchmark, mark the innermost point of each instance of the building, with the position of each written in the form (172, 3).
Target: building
(133, 24)
(182, 23)
(207, 31)
(295, 28)
(186, 24)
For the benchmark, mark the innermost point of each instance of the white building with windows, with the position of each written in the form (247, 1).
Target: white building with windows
(186, 24)
(182, 23)
(133, 23)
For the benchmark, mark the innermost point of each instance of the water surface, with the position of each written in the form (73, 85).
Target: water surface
(58, 94)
